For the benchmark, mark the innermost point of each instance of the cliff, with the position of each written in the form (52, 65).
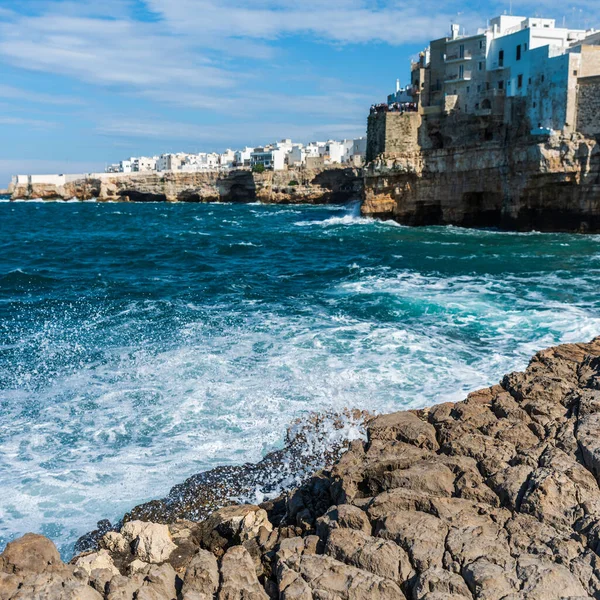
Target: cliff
(473, 172)
(496, 497)
(306, 186)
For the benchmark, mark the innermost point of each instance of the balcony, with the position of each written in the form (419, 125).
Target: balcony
(458, 78)
(497, 66)
(450, 59)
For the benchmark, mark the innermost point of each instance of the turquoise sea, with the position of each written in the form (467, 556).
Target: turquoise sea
(142, 343)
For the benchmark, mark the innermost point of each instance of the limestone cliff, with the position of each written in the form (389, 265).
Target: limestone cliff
(496, 497)
(512, 181)
(295, 186)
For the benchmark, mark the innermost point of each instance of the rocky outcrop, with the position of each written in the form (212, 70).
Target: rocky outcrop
(300, 186)
(493, 498)
(519, 183)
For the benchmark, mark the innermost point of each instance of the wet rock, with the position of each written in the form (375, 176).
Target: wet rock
(232, 525)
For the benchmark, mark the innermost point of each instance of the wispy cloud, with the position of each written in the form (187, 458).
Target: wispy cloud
(12, 93)
(227, 133)
(35, 123)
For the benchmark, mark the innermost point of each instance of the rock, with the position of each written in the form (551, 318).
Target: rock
(346, 516)
(437, 581)
(239, 581)
(380, 557)
(405, 427)
(421, 535)
(96, 560)
(114, 542)
(233, 524)
(150, 542)
(489, 581)
(306, 577)
(30, 554)
(201, 580)
(545, 580)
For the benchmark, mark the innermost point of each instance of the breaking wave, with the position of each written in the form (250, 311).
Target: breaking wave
(141, 344)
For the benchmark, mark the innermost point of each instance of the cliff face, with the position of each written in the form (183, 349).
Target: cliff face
(308, 186)
(480, 173)
(496, 497)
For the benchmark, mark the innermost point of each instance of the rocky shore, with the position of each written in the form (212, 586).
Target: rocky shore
(493, 498)
(296, 186)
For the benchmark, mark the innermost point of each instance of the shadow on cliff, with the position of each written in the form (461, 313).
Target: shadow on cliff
(342, 185)
(237, 186)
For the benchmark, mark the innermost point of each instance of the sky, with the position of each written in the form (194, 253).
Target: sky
(84, 83)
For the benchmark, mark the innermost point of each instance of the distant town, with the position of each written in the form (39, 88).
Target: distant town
(276, 157)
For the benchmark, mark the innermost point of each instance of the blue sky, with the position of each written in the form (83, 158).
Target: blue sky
(88, 82)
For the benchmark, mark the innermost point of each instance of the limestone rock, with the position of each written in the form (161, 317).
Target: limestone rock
(201, 580)
(323, 577)
(96, 560)
(151, 542)
(30, 554)
(239, 581)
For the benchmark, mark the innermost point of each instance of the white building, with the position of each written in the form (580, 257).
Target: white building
(170, 162)
(227, 159)
(125, 166)
(242, 157)
(143, 164)
(270, 159)
(297, 156)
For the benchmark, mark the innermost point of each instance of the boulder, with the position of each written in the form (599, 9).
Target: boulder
(201, 579)
(239, 581)
(150, 542)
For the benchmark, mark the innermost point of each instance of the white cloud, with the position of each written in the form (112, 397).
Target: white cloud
(219, 136)
(13, 93)
(34, 123)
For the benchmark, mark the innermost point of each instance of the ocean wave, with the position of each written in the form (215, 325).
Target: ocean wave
(149, 355)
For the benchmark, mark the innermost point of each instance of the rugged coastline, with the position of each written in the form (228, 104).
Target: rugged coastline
(297, 186)
(495, 497)
(425, 172)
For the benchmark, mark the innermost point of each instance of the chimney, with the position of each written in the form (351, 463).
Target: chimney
(397, 85)
(455, 29)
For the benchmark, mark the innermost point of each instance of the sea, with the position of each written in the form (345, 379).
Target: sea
(144, 343)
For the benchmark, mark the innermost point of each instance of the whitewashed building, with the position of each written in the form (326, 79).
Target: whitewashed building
(273, 159)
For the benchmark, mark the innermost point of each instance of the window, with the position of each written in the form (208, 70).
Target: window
(461, 72)
(543, 78)
(461, 51)
(501, 58)
(481, 44)
(501, 85)
(529, 81)
(481, 65)
(519, 52)
(525, 47)
(520, 81)
(468, 89)
(576, 72)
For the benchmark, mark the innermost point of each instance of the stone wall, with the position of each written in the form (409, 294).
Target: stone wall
(588, 105)
(392, 132)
